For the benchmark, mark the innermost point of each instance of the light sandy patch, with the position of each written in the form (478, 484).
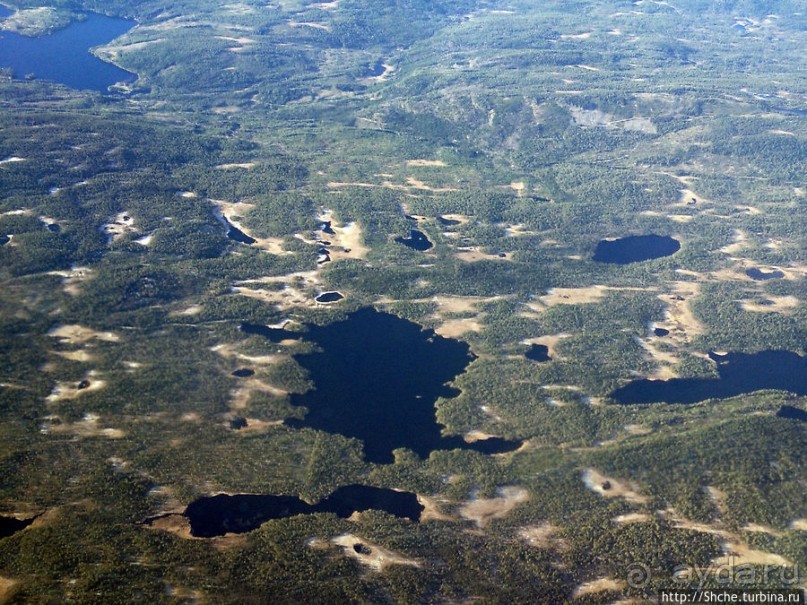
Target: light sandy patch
(347, 241)
(632, 518)
(372, 555)
(776, 304)
(86, 427)
(665, 360)
(122, 224)
(800, 191)
(738, 553)
(326, 6)
(484, 510)
(189, 311)
(239, 398)
(73, 279)
(384, 75)
(12, 160)
(8, 587)
(77, 335)
(588, 67)
(310, 24)
(229, 351)
(299, 289)
(475, 254)
(459, 304)
(690, 198)
(432, 509)
(583, 36)
(474, 436)
(231, 212)
(456, 328)
(254, 426)
(740, 242)
(339, 185)
(414, 183)
(240, 40)
(145, 240)
(681, 218)
(783, 132)
(80, 355)
(609, 487)
(518, 230)
(762, 529)
(543, 536)
(70, 390)
(189, 195)
(679, 317)
(572, 296)
(750, 210)
(599, 585)
(518, 187)
(799, 525)
(435, 163)
(245, 165)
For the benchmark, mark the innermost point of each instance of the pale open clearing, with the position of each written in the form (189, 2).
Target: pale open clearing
(77, 335)
(484, 510)
(609, 487)
(799, 525)
(455, 328)
(348, 241)
(679, 316)
(70, 390)
(474, 254)
(7, 589)
(665, 360)
(432, 509)
(435, 163)
(299, 289)
(232, 213)
(122, 224)
(543, 536)
(572, 296)
(632, 518)
(599, 585)
(740, 242)
(12, 160)
(550, 341)
(762, 529)
(73, 279)
(690, 198)
(583, 36)
(236, 40)
(373, 556)
(245, 165)
(518, 187)
(776, 304)
(310, 24)
(86, 427)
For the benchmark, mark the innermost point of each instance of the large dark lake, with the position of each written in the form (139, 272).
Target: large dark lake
(64, 56)
(218, 515)
(377, 378)
(739, 373)
(635, 248)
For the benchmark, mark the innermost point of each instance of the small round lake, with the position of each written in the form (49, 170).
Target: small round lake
(635, 248)
(64, 56)
(739, 373)
(417, 240)
(539, 353)
(329, 297)
(219, 515)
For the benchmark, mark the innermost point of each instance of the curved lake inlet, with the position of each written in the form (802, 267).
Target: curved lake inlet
(739, 373)
(329, 297)
(417, 240)
(377, 378)
(539, 353)
(792, 413)
(235, 234)
(11, 525)
(64, 56)
(760, 275)
(635, 248)
(219, 515)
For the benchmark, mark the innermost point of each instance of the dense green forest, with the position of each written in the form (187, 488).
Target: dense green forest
(515, 137)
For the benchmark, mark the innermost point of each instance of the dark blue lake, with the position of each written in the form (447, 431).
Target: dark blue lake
(377, 378)
(241, 513)
(4, 12)
(635, 249)
(739, 373)
(64, 56)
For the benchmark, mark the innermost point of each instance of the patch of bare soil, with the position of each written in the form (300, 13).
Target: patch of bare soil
(233, 213)
(432, 509)
(119, 226)
(772, 304)
(371, 555)
(632, 518)
(73, 279)
(544, 536)
(599, 585)
(86, 427)
(244, 165)
(799, 524)
(78, 335)
(455, 328)
(432, 163)
(608, 487)
(71, 390)
(347, 240)
(8, 587)
(679, 318)
(298, 289)
(740, 242)
(550, 341)
(474, 254)
(483, 510)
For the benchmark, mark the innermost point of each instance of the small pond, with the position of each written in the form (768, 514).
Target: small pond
(539, 353)
(760, 275)
(417, 240)
(11, 525)
(635, 248)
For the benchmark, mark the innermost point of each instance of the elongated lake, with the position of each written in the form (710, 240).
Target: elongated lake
(635, 248)
(64, 56)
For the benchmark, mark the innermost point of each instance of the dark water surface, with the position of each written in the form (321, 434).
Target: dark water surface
(417, 240)
(328, 297)
(11, 525)
(377, 378)
(539, 353)
(64, 56)
(739, 373)
(792, 413)
(218, 515)
(635, 248)
(760, 275)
